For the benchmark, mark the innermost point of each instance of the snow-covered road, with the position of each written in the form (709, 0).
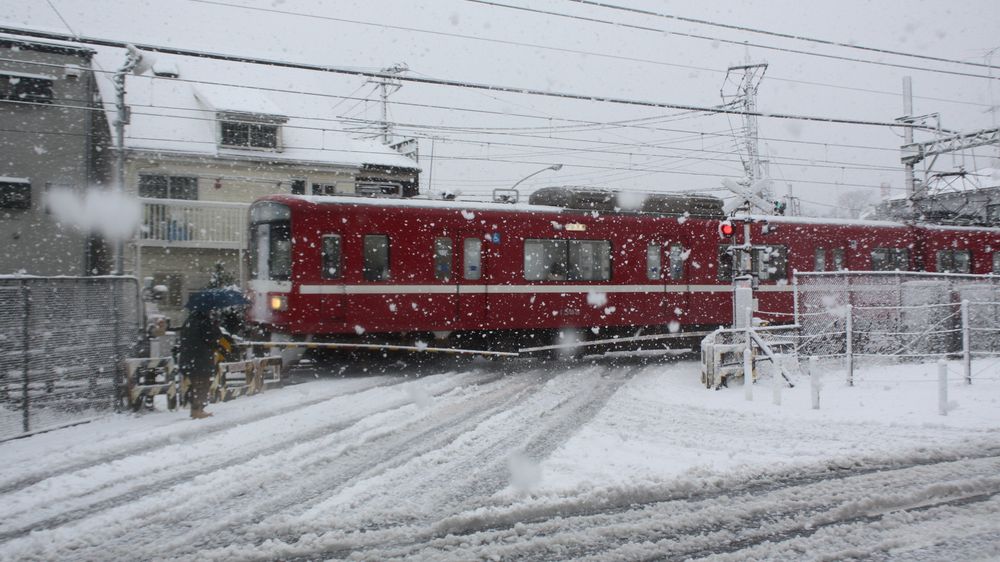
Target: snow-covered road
(611, 459)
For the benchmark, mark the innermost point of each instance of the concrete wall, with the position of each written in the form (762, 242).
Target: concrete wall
(50, 145)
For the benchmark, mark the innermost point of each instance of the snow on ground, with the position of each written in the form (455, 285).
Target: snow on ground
(606, 459)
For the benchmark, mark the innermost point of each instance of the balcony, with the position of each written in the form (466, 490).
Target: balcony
(177, 223)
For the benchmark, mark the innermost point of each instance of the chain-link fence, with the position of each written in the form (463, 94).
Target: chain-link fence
(897, 314)
(62, 340)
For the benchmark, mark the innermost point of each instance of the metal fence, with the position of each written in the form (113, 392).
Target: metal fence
(897, 314)
(62, 340)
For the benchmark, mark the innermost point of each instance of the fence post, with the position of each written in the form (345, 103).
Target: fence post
(795, 299)
(942, 387)
(26, 349)
(966, 352)
(849, 332)
(748, 373)
(814, 381)
(776, 385)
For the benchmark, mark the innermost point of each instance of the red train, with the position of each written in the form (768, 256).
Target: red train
(500, 276)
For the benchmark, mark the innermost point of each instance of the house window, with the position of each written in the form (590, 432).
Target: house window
(376, 257)
(25, 87)
(331, 256)
(245, 134)
(168, 187)
(376, 188)
(15, 194)
(324, 189)
(298, 187)
(954, 261)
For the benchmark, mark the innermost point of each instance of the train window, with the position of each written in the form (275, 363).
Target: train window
(838, 260)
(771, 262)
(472, 258)
(331, 256)
(676, 261)
(819, 263)
(653, 262)
(544, 260)
(376, 257)
(890, 259)
(954, 261)
(442, 259)
(273, 256)
(589, 260)
(996, 263)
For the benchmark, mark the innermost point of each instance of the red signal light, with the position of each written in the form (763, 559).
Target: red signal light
(725, 229)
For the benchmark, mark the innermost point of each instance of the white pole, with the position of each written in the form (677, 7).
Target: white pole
(776, 385)
(849, 329)
(748, 374)
(942, 387)
(795, 299)
(814, 381)
(966, 352)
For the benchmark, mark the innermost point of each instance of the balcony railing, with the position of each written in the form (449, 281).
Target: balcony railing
(192, 224)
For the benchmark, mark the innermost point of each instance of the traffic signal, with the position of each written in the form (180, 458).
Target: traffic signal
(725, 229)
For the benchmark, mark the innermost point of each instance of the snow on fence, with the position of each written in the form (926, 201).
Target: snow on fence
(897, 316)
(61, 342)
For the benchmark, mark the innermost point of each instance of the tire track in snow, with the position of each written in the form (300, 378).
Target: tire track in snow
(535, 428)
(140, 488)
(195, 433)
(722, 523)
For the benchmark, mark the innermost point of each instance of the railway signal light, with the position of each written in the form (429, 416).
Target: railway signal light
(725, 229)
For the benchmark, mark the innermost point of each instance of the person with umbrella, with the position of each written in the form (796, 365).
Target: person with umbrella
(200, 336)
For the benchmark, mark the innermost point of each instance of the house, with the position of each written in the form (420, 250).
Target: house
(205, 138)
(50, 139)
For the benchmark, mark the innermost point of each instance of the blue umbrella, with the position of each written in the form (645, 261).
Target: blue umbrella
(215, 298)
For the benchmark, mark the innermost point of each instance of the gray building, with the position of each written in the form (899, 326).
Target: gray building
(954, 198)
(51, 131)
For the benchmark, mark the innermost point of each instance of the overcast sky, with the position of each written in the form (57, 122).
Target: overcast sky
(578, 49)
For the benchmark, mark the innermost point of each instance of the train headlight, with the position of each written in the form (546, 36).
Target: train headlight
(725, 229)
(279, 302)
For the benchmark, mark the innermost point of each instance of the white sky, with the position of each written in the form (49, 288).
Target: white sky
(676, 150)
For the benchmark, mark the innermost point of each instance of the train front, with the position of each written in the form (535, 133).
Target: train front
(270, 265)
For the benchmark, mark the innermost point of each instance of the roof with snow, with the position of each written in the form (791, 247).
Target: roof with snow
(179, 115)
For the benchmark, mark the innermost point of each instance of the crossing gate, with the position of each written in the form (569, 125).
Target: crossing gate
(244, 378)
(146, 378)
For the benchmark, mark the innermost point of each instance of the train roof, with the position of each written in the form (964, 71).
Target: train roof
(459, 205)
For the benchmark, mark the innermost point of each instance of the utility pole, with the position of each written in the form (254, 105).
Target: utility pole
(388, 85)
(740, 91)
(907, 118)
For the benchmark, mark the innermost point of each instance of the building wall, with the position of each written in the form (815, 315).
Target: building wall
(50, 145)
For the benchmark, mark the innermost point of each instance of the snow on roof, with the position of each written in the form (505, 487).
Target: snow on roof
(243, 100)
(178, 115)
(8, 179)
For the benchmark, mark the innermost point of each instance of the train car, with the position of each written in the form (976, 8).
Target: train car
(588, 263)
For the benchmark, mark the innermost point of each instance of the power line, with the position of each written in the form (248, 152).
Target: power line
(448, 82)
(728, 41)
(564, 50)
(778, 34)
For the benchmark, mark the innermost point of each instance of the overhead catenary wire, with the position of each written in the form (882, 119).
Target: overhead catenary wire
(727, 41)
(592, 98)
(747, 29)
(273, 10)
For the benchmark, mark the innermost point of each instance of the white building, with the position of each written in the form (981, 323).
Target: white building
(205, 138)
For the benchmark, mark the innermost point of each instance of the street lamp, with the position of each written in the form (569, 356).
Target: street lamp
(511, 195)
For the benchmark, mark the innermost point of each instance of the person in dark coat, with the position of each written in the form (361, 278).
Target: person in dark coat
(199, 340)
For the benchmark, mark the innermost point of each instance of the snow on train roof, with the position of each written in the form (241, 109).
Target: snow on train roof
(458, 205)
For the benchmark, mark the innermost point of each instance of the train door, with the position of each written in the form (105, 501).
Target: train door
(472, 282)
(675, 279)
(332, 289)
